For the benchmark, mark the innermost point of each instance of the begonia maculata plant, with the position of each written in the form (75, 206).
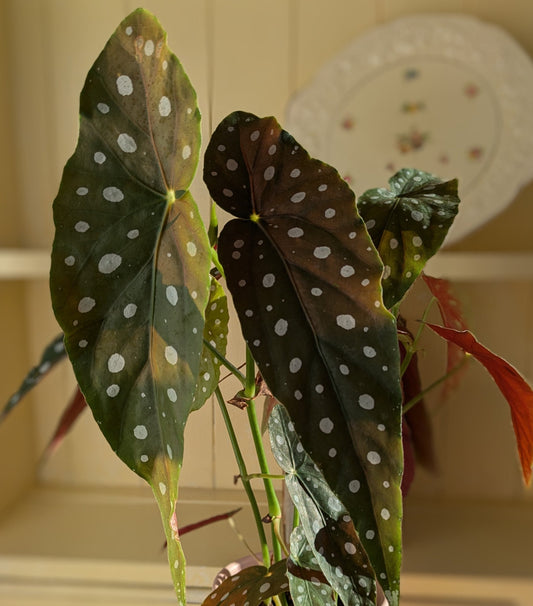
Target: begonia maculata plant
(317, 279)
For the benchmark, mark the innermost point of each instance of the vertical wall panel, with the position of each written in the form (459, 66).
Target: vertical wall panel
(250, 73)
(322, 33)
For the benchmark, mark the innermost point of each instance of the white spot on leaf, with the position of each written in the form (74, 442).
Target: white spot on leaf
(172, 295)
(124, 86)
(366, 401)
(140, 432)
(127, 143)
(165, 106)
(346, 321)
(326, 425)
(109, 262)
(281, 327)
(171, 355)
(322, 252)
(116, 363)
(113, 194)
(130, 310)
(86, 304)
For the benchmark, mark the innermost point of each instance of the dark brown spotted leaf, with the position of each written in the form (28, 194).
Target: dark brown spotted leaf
(305, 280)
(251, 586)
(130, 262)
(326, 523)
(408, 224)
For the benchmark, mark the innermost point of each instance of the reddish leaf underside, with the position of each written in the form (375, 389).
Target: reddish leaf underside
(515, 389)
(70, 415)
(452, 317)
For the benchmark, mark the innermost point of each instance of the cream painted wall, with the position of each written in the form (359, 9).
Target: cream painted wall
(239, 54)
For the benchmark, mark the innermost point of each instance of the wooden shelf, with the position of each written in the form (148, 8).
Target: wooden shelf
(481, 266)
(34, 264)
(66, 546)
(24, 264)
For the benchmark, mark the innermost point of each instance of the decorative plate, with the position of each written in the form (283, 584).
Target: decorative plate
(447, 94)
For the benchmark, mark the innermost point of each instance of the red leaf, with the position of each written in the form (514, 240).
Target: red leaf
(207, 521)
(451, 313)
(513, 386)
(449, 305)
(71, 413)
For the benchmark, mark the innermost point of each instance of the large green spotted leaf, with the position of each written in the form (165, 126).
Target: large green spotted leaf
(408, 224)
(306, 579)
(326, 523)
(130, 261)
(306, 282)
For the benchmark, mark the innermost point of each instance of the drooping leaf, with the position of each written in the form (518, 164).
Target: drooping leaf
(216, 334)
(208, 521)
(53, 353)
(306, 579)
(305, 279)
(408, 224)
(130, 262)
(452, 317)
(70, 415)
(419, 434)
(251, 586)
(513, 386)
(326, 523)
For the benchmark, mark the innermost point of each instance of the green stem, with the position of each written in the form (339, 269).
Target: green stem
(411, 349)
(244, 474)
(233, 369)
(295, 518)
(273, 503)
(436, 383)
(271, 476)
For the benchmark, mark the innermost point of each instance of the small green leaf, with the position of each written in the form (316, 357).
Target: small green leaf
(306, 580)
(325, 521)
(130, 262)
(216, 334)
(53, 353)
(306, 283)
(408, 224)
(251, 586)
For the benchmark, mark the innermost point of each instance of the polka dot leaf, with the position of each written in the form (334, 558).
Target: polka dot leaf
(408, 224)
(52, 355)
(216, 334)
(306, 283)
(326, 523)
(130, 261)
(306, 580)
(251, 586)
